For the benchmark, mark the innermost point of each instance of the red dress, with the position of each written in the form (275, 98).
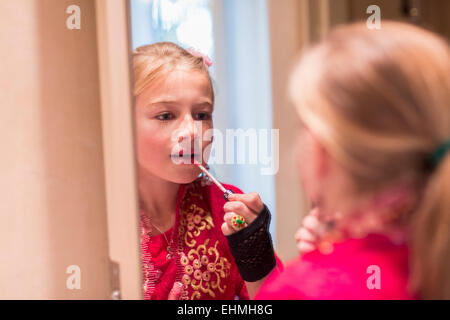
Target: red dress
(201, 258)
(345, 273)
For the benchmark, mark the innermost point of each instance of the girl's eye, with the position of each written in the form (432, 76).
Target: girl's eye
(202, 116)
(164, 116)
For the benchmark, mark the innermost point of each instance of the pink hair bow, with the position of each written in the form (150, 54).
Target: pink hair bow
(205, 58)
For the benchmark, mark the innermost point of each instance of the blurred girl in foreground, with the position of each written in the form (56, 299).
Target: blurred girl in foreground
(185, 254)
(373, 154)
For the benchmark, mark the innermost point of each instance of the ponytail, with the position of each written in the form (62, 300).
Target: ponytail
(430, 245)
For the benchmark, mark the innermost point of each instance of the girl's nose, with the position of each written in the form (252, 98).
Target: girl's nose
(189, 129)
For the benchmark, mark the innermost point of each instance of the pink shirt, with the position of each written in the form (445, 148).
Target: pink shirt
(348, 272)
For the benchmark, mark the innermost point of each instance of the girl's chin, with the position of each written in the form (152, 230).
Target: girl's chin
(186, 174)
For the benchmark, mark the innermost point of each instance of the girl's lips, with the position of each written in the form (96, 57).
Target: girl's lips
(190, 158)
(181, 155)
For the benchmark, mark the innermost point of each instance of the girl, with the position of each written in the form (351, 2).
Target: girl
(185, 254)
(374, 157)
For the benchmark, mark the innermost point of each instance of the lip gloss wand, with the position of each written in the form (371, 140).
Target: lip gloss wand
(217, 183)
(238, 222)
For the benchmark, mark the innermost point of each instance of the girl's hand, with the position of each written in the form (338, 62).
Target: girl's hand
(175, 292)
(247, 205)
(308, 234)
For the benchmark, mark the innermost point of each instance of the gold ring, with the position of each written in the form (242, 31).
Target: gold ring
(238, 222)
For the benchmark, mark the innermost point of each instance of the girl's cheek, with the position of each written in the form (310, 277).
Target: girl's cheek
(158, 140)
(207, 135)
(301, 150)
(152, 138)
(302, 161)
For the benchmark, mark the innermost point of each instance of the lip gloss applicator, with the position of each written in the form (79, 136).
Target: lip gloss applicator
(237, 221)
(217, 183)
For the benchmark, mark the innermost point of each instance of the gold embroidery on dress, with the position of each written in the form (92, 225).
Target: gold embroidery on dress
(194, 221)
(205, 270)
(204, 274)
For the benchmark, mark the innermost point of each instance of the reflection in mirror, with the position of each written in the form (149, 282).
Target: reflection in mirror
(185, 216)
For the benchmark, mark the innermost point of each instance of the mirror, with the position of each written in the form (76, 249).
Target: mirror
(210, 88)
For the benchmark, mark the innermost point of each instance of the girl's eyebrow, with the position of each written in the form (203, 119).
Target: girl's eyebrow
(161, 103)
(172, 103)
(204, 104)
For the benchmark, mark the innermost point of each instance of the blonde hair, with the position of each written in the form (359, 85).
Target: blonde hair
(379, 102)
(152, 62)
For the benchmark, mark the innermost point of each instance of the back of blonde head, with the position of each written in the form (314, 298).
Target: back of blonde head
(379, 101)
(153, 62)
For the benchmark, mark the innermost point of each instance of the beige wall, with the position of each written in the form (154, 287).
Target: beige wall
(53, 201)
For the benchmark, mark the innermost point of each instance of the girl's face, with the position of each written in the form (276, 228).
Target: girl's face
(172, 115)
(324, 181)
(307, 163)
